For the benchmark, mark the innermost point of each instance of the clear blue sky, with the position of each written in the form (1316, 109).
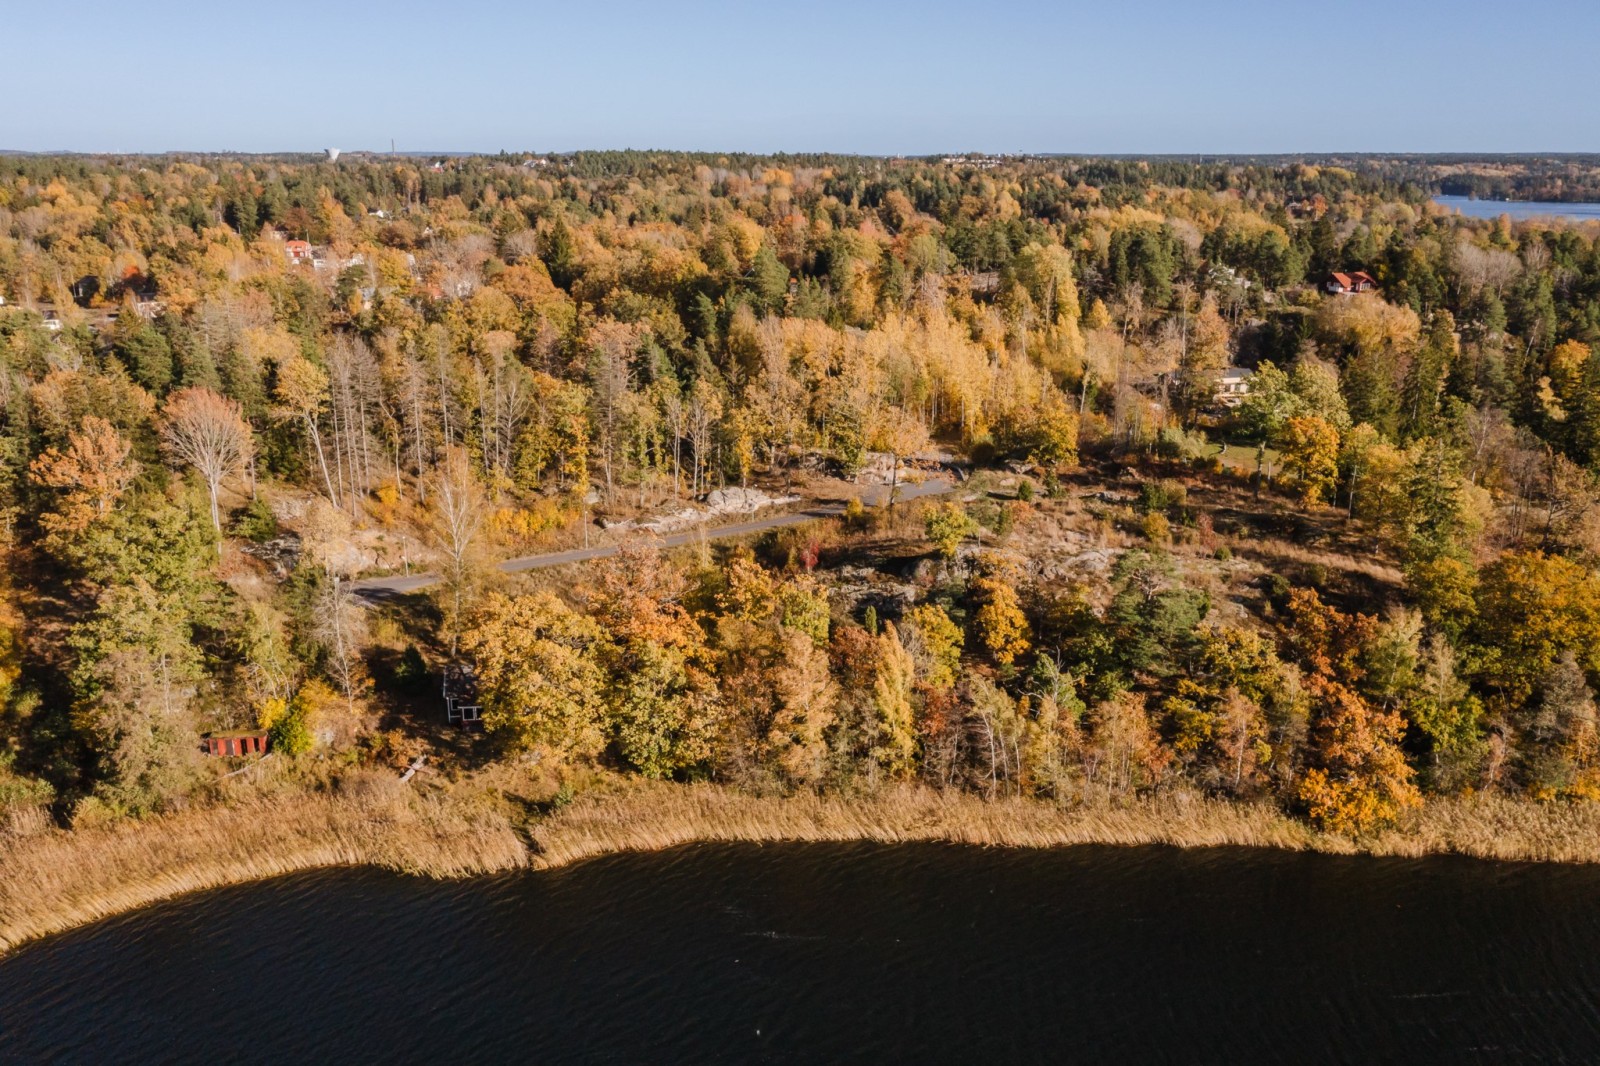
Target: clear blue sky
(866, 76)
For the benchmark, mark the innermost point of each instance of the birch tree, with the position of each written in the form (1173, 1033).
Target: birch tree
(457, 512)
(302, 394)
(208, 432)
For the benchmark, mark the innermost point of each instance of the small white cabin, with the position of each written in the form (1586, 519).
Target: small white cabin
(1234, 386)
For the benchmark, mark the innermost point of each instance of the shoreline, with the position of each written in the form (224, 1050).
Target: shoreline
(58, 880)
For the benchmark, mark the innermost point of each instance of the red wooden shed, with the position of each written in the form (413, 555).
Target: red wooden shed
(237, 742)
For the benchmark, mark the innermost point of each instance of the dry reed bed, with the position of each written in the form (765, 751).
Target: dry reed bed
(53, 881)
(57, 880)
(1494, 827)
(649, 818)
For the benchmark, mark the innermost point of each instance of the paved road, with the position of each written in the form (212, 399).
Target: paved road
(376, 590)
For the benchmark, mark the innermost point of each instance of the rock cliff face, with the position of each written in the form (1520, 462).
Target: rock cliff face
(281, 553)
(721, 503)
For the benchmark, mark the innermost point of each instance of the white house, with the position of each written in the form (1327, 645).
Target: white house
(1234, 386)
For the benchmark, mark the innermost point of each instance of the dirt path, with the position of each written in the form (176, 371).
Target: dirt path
(377, 590)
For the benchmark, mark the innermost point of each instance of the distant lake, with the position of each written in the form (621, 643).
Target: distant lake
(1519, 209)
(841, 953)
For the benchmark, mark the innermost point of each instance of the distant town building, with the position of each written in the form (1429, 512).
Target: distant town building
(980, 162)
(85, 289)
(1234, 385)
(984, 282)
(1349, 284)
(297, 251)
(1226, 277)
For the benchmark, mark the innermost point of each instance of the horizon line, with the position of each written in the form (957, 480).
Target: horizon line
(968, 152)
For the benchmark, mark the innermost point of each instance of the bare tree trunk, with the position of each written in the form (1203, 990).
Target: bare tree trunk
(322, 459)
(216, 513)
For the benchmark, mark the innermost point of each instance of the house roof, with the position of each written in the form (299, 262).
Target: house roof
(1353, 280)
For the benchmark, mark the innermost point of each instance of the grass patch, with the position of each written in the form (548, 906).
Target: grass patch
(1242, 457)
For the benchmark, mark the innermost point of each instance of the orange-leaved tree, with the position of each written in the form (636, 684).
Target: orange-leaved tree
(662, 699)
(1357, 779)
(92, 473)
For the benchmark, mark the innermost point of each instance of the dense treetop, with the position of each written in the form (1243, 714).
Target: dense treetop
(459, 357)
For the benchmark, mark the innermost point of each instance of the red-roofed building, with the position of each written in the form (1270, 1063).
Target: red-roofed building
(236, 742)
(297, 251)
(1350, 284)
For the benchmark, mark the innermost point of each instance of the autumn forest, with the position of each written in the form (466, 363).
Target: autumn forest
(1262, 480)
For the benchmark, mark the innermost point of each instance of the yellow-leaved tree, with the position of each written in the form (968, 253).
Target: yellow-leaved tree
(999, 624)
(539, 673)
(1310, 447)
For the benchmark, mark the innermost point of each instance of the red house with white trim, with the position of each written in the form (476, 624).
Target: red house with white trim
(1350, 284)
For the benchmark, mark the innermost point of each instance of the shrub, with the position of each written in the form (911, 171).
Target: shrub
(1184, 446)
(947, 526)
(1162, 495)
(1224, 553)
(795, 546)
(18, 792)
(387, 505)
(1025, 491)
(411, 672)
(255, 521)
(291, 735)
(1156, 528)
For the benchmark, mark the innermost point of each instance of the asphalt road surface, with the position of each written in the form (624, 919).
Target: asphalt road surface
(377, 590)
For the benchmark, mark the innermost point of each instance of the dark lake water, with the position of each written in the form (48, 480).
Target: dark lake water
(1519, 209)
(921, 953)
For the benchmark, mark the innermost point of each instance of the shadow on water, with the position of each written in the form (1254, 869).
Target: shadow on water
(930, 953)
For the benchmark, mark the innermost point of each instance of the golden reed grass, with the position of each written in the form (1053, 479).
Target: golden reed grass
(53, 881)
(652, 817)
